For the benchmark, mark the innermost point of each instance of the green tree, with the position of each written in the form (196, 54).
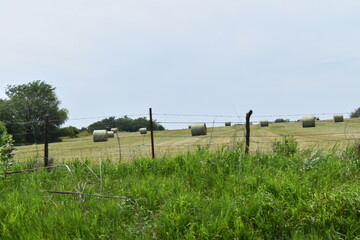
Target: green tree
(28, 105)
(356, 113)
(13, 126)
(95, 126)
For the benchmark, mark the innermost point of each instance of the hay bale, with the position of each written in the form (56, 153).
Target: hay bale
(308, 121)
(189, 127)
(110, 134)
(100, 136)
(264, 123)
(227, 124)
(115, 130)
(142, 131)
(338, 118)
(358, 148)
(198, 129)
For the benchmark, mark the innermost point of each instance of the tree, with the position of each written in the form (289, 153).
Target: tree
(13, 126)
(356, 113)
(27, 106)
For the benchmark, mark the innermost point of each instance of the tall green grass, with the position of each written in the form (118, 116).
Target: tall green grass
(222, 194)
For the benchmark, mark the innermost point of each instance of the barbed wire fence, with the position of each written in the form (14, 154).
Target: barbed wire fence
(179, 139)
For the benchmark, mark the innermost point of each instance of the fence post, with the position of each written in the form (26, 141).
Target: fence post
(118, 139)
(152, 134)
(46, 141)
(248, 115)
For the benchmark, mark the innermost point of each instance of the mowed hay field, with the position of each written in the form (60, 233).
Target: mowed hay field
(325, 135)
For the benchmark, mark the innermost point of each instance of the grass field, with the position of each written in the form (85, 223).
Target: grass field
(325, 135)
(205, 194)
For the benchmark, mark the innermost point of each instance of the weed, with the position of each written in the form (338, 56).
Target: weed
(288, 146)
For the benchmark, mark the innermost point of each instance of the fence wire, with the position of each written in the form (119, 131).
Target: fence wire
(170, 142)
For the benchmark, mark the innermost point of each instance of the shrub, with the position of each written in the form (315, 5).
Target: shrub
(6, 152)
(288, 146)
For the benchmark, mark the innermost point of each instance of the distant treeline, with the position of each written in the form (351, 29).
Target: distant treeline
(125, 124)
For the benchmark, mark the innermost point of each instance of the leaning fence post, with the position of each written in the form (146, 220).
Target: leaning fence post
(247, 137)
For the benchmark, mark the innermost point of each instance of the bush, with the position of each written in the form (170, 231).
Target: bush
(287, 147)
(6, 151)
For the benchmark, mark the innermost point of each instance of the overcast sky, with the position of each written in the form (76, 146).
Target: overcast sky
(114, 58)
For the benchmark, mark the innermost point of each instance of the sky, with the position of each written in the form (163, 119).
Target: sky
(188, 60)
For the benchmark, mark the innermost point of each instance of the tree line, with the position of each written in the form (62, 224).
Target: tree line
(125, 124)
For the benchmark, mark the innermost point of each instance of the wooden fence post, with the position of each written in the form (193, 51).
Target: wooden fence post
(46, 141)
(248, 115)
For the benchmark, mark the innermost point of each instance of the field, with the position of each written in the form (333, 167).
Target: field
(206, 194)
(325, 135)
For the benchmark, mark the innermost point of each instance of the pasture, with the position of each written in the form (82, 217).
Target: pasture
(325, 135)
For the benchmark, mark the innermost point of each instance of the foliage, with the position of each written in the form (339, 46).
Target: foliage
(95, 126)
(69, 132)
(221, 194)
(7, 114)
(288, 146)
(356, 113)
(125, 124)
(280, 120)
(26, 109)
(2, 128)
(6, 151)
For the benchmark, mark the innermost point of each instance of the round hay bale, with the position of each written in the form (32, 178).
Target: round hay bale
(100, 135)
(189, 126)
(227, 124)
(338, 118)
(142, 131)
(308, 121)
(264, 123)
(198, 129)
(115, 130)
(358, 148)
(110, 134)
